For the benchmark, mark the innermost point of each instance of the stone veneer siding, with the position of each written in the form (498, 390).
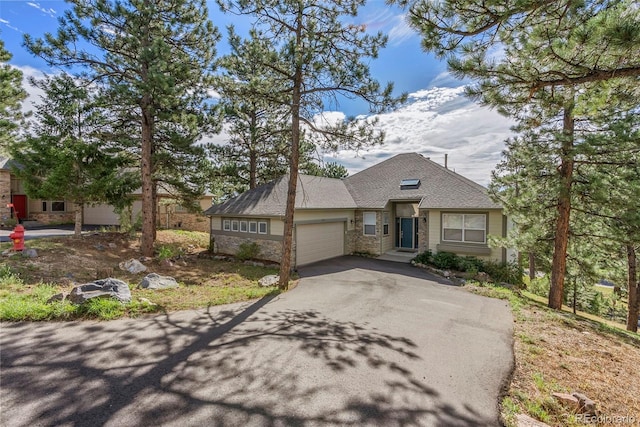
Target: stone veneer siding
(5, 195)
(423, 231)
(270, 250)
(53, 218)
(361, 243)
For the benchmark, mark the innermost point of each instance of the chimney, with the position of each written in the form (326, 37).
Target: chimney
(446, 157)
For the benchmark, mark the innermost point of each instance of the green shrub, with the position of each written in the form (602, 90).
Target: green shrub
(248, 250)
(471, 265)
(446, 260)
(424, 257)
(165, 252)
(539, 286)
(507, 272)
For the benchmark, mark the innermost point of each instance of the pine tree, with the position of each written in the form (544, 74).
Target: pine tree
(315, 55)
(550, 51)
(64, 157)
(11, 97)
(154, 59)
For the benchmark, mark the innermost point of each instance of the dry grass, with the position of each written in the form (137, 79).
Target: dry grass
(65, 261)
(560, 352)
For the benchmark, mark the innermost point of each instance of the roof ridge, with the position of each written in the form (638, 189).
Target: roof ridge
(383, 162)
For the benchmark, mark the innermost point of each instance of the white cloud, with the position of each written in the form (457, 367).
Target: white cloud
(394, 25)
(33, 93)
(439, 121)
(400, 31)
(8, 25)
(328, 118)
(51, 12)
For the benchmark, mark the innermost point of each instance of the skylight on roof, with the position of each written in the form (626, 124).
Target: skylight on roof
(406, 184)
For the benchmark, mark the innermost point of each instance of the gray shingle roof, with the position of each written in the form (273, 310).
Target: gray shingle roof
(440, 188)
(6, 163)
(372, 188)
(313, 192)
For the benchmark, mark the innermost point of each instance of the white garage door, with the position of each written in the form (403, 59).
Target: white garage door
(100, 215)
(315, 242)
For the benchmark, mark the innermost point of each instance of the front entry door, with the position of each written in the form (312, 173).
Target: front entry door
(20, 205)
(406, 233)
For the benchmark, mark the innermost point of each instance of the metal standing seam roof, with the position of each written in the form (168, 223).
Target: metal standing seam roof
(372, 188)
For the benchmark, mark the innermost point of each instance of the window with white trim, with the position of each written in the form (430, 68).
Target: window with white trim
(468, 228)
(243, 226)
(226, 225)
(385, 223)
(262, 227)
(234, 225)
(253, 227)
(369, 223)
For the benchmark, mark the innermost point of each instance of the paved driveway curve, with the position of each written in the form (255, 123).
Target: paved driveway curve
(358, 342)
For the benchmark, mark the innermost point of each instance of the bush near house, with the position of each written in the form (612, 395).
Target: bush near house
(499, 272)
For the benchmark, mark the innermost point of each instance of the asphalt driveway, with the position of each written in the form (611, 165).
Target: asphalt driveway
(358, 342)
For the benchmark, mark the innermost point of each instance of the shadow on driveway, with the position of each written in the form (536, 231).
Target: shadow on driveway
(259, 364)
(350, 262)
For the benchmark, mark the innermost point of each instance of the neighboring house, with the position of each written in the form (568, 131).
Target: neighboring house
(406, 203)
(170, 214)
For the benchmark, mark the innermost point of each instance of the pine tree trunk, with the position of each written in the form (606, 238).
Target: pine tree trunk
(77, 229)
(253, 153)
(634, 288)
(559, 262)
(148, 215)
(287, 242)
(532, 266)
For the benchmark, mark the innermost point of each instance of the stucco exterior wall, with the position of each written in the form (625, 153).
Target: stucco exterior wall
(495, 228)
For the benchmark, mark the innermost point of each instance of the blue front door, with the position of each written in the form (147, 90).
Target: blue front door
(406, 233)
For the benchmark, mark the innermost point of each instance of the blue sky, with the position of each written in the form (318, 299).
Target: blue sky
(436, 120)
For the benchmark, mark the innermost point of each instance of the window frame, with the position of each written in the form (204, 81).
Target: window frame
(235, 225)
(385, 223)
(463, 228)
(365, 224)
(246, 226)
(266, 227)
(226, 225)
(255, 227)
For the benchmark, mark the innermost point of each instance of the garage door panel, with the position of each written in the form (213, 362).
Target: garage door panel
(315, 242)
(100, 215)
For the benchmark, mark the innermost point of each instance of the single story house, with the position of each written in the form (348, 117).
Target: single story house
(405, 203)
(170, 213)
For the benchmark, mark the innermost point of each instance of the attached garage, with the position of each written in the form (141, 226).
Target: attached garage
(100, 215)
(315, 242)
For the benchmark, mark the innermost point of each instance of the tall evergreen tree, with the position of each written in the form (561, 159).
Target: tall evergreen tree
(64, 157)
(548, 51)
(315, 54)
(11, 97)
(154, 59)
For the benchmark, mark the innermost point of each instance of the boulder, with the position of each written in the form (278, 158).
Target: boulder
(133, 266)
(585, 405)
(523, 420)
(156, 281)
(30, 253)
(270, 280)
(57, 297)
(104, 288)
(567, 400)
